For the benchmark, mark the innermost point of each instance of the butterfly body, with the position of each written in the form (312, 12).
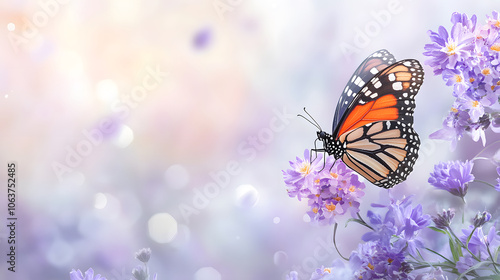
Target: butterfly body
(373, 123)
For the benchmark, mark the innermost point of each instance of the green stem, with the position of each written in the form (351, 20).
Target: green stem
(486, 183)
(463, 210)
(465, 246)
(363, 221)
(335, 243)
(432, 251)
(484, 149)
(492, 259)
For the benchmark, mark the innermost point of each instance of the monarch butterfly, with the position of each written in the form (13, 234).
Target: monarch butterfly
(373, 122)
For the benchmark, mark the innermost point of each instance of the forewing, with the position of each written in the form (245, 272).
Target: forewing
(370, 67)
(389, 95)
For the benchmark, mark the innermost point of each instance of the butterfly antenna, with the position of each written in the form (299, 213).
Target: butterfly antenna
(309, 121)
(315, 123)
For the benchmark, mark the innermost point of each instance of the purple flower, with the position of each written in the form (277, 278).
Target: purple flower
(479, 243)
(383, 229)
(374, 261)
(143, 255)
(446, 50)
(321, 273)
(469, 59)
(452, 176)
(140, 273)
(300, 178)
(494, 21)
(414, 222)
(402, 221)
(454, 126)
(443, 221)
(331, 192)
(481, 218)
(473, 107)
(468, 24)
(89, 275)
(455, 78)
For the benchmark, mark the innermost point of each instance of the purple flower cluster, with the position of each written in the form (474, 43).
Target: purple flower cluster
(481, 247)
(452, 176)
(141, 272)
(331, 192)
(468, 59)
(384, 255)
(394, 237)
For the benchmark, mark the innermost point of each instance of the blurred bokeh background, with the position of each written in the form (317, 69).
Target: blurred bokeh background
(166, 124)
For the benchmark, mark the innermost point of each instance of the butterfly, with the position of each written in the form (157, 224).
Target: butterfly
(373, 123)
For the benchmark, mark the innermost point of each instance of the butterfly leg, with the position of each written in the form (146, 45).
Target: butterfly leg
(324, 157)
(315, 150)
(332, 166)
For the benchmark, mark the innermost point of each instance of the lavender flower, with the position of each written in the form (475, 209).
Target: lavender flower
(468, 59)
(452, 176)
(140, 273)
(143, 255)
(89, 275)
(330, 192)
(481, 218)
(443, 221)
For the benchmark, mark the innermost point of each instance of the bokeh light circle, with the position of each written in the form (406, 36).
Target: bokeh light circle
(162, 227)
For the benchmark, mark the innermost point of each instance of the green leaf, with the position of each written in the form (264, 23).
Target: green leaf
(447, 260)
(437, 229)
(454, 250)
(354, 220)
(361, 222)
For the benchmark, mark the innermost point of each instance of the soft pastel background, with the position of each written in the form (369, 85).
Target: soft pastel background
(236, 79)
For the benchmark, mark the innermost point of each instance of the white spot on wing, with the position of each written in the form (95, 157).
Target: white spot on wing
(358, 82)
(397, 86)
